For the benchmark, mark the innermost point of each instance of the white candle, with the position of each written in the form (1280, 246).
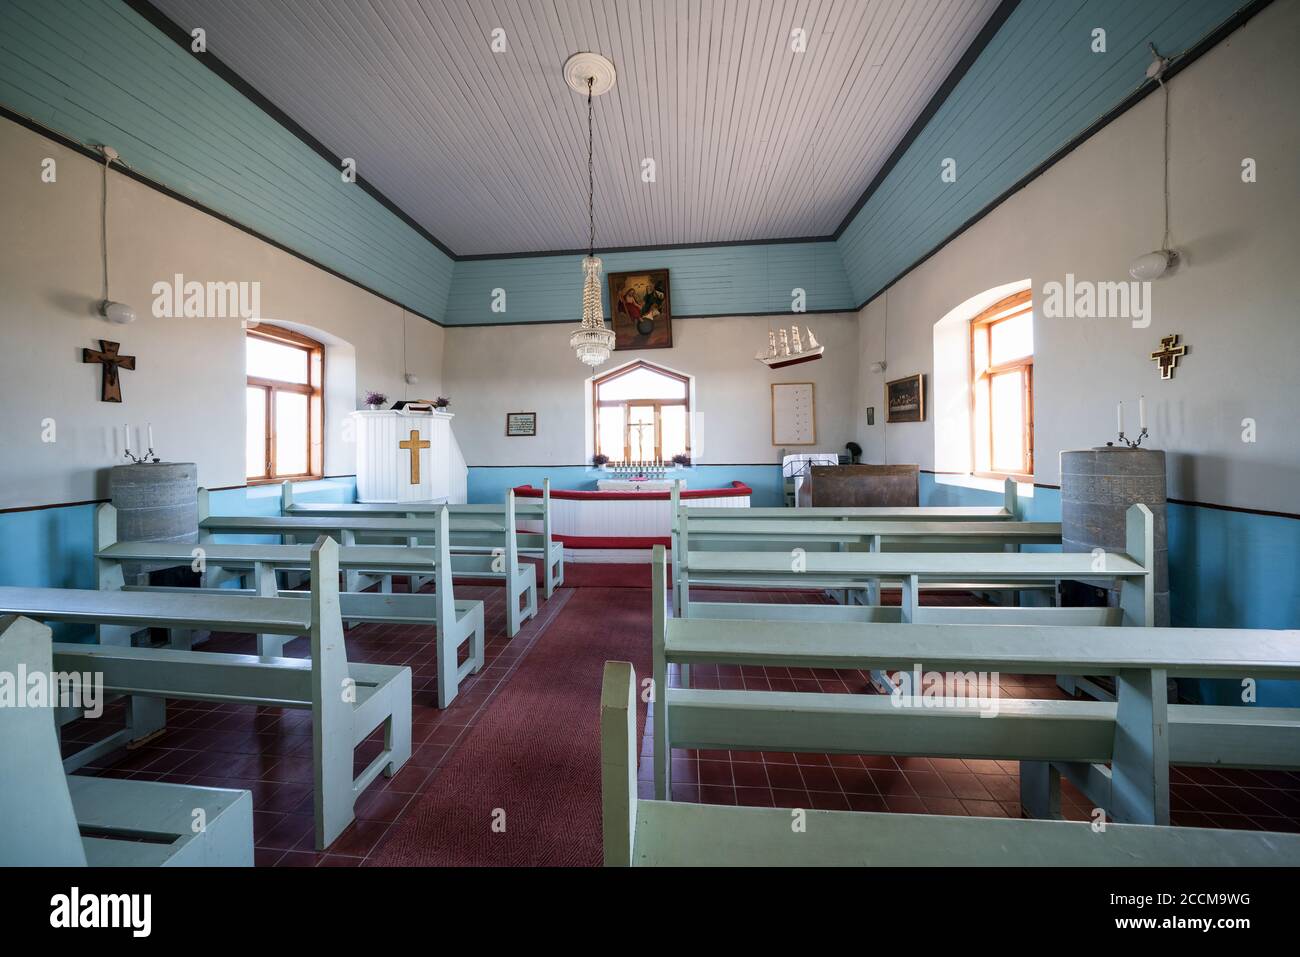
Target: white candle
(150, 435)
(1119, 417)
(1142, 412)
(126, 437)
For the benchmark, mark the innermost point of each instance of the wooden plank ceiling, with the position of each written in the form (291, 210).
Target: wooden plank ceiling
(487, 150)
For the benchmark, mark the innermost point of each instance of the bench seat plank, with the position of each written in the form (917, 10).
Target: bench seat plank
(196, 608)
(1018, 649)
(395, 559)
(672, 834)
(1038, 533)
(1005, 565)
(875, 513)
(163, 813)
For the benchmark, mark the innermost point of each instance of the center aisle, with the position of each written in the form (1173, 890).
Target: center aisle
(523, 788)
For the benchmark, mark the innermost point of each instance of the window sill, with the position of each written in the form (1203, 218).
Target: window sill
(280, 479)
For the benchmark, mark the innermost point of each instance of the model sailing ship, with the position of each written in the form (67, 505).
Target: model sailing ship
(790, 349)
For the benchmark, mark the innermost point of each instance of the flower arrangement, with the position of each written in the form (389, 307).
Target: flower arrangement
(375, 399)
(599, 460)
(441, 402)
(681, 460)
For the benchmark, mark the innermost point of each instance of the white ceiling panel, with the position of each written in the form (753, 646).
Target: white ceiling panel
(487, 151)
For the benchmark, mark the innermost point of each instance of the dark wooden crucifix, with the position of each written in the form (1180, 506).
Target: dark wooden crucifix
(110, 389)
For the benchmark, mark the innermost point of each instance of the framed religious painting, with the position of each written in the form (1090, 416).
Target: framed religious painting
(905, 399)
(641, 308)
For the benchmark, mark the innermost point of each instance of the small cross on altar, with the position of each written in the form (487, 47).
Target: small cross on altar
(110, 387)
(1168, 355)
(413, 445)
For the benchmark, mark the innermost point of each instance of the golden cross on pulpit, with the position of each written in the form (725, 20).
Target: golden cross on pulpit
(1168, 355)
(110, 387)
(413, 445)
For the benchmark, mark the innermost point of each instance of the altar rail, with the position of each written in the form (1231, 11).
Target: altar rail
(612, 523)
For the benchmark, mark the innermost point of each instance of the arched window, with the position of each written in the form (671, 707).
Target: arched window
(284, 434)
(1002, 387)
(642, 413)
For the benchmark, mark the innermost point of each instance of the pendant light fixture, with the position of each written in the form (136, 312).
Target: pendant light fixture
(118, 312)
(592, 74)
(1155, 264)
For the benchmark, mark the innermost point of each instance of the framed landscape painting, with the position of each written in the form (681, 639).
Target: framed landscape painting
(641, 308)
(905, 399)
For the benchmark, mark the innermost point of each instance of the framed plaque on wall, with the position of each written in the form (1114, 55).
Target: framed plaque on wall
(521, 423)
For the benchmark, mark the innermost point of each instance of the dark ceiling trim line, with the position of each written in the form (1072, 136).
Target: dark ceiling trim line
(174, 31)
(606, 250)
(699, 315)
(1188, 57)
(955, 76)
(64, 140)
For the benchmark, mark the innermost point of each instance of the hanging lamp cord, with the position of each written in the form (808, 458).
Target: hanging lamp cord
(591, 178)
(103, 224)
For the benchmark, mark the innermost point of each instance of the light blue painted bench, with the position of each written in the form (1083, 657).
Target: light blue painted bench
(861, 570)
(1138, 736)
(455, 621)
(348, 700)
(48, 819)
(659, 833)
(484, 542)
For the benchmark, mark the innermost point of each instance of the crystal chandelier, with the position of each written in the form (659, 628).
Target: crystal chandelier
(593, 340)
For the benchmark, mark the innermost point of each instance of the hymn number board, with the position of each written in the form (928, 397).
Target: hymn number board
(794, 413)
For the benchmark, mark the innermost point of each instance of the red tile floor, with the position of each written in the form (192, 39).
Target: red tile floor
(268, 751)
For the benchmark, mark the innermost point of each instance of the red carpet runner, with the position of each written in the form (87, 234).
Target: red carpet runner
(532, 763)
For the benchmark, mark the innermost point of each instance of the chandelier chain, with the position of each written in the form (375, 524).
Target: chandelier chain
(591, 177)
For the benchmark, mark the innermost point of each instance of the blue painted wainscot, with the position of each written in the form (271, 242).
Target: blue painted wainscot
(51, 547)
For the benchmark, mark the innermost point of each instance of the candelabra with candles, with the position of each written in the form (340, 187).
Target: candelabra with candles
(648, 469)
(148, 457)
(1142, 424)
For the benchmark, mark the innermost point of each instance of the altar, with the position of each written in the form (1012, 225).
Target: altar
(599, 525)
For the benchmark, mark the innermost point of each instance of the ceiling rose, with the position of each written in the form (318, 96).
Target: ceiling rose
(580, 66)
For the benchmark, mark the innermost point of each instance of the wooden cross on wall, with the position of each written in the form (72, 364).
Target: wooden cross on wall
(110, 387)
(414, 444)
(1168, 355)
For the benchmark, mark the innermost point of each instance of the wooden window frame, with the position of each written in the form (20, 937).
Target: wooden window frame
(314, 389)
(597, 404)
(982, 325)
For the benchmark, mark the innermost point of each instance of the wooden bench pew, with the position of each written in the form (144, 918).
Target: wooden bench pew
(1009, 510)
(483, 539)
(661, 833)
(48, 819)
(456, 621)
(797, 568)
(1138, 736)
(348, 700)
(535, 541)
(859, 535)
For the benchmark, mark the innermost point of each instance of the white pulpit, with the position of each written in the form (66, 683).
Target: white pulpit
(407, 457)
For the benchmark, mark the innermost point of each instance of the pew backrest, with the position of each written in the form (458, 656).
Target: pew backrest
(639, 832)
(35, 807)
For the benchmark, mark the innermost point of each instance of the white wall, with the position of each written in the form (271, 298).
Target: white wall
(1233, 300)
(189, 377)
(492, 370)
